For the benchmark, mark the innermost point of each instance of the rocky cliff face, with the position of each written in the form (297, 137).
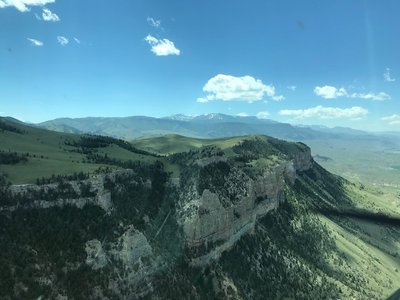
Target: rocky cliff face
(211, 224)
(99, 195)
(210, 227)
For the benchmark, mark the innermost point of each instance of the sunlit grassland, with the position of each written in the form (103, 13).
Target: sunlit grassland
(173, 143)
(360, 160)
(48, 154)
(369, 248)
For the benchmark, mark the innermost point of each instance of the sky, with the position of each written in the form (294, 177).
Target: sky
(332, 63)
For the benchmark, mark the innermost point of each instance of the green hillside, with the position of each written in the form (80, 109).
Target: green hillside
(50, 153)
(173, 143)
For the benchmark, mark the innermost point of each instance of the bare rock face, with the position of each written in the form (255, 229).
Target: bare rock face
(132, 251)
(101, 197)
(211, 227)
(303, 160)
(132, 247)
(96, 257)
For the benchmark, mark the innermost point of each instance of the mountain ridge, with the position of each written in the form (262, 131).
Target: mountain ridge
(202, 126)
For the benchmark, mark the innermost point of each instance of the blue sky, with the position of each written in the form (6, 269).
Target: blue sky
(334, 63)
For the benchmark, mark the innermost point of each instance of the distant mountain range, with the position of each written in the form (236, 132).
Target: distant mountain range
(213, 125)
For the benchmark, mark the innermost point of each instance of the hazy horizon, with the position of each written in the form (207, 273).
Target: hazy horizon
(213, 113)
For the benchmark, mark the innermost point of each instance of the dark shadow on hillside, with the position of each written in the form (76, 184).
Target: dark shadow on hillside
(395, 295)
(361, 214)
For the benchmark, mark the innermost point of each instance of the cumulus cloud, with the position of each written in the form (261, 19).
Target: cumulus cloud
(329, 92)
(393, 119)
(371, 96)
(49, 16)
(35, 43)
(387, 76)
(262, 115)
(162, 47)
(231, 88)
(321, 112)
(62, 40)
(153, 22)
(292, 87)
(23, 5)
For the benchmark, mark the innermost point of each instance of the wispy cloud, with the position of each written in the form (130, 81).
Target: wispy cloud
(35, 42)
(49, 16)
(162, 47)
(331, 92)
(387, 76)
(153, 22)
(321, 112)
(78, 41)
(232, 88)
(292, 88)
(393, 119)
(62, 40)
(262, 115)
(23, 5)
(242, 114)
(371, 96)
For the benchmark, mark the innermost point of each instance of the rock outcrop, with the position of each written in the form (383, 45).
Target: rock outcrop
(132, 251)
(99, 195)
(210, 227)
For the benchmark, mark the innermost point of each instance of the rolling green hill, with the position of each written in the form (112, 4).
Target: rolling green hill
(48, 152)
(173, 143)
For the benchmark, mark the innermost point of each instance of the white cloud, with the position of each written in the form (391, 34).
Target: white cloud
(23, 5)
(387, 76)
(292, 87)
(278, 97)
(231, 88)
(202, 100)
(262, 115)
(162, 47)
(242, 114)
(49, 16)
(329, 92)
(62, 40)
(34, 42)
(153, 22)
(393, 119)
(371, 96)
(321, 112)
(78, 41)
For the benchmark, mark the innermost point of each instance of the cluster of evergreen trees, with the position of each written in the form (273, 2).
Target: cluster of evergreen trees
(60, 178)
(6, 127)
(12, 158)
(89, 143)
